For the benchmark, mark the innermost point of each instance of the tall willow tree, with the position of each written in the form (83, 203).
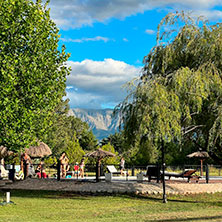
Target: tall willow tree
(32, 71)
(179, 95)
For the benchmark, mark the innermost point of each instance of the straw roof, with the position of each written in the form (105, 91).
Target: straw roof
(4, 152)
(100, 154)
(199, 154)
(39, 151)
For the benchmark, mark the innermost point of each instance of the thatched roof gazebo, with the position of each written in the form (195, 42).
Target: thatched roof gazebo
(202, 155)
(39, 151)
(4, 153)
(199, 154)
(99, 154)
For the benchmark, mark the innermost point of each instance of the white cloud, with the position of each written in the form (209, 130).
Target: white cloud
(76, 13)
(99, 82)
(194, 4)
(125, 40)
(150, 31)
(69, 87)
(211, 15)
(84, 100)
(94, 39)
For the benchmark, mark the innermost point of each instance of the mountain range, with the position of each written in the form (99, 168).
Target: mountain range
(101, 121)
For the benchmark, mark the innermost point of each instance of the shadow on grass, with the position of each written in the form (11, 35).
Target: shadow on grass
(188, 219)
(72, 195)
(46, 194)
(179, 199)
(88, 196)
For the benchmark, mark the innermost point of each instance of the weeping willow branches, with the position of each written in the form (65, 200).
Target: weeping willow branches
(180, 91)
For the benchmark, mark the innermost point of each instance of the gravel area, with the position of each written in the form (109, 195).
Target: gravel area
(130, 187)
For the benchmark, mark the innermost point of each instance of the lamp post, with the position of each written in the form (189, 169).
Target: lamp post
(163, 176)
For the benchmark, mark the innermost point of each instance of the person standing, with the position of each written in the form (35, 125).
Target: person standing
(64, 161)
(25, 163)
(76, 170)
(82, 165)
(122, 166)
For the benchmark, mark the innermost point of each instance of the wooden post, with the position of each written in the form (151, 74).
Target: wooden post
(13, 168)
(58, 170)
(201, 167)
(207, 173)
(97, 171)
(98, 163)
(25, 169)
(133, 171)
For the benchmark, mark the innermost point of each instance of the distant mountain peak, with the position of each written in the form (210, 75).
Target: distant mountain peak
(101, 121)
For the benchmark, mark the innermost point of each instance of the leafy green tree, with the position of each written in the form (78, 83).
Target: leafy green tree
(110, 160)
(32, 73)
(178, 97)
(74, 150)
(85, 135)
(56, 135)
(60, 133)
(117, 140)
(144, 154)
(138, 153)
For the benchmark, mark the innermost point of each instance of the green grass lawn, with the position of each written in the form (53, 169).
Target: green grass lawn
(52, 206)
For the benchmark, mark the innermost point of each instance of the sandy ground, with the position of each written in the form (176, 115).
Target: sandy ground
(116, 186)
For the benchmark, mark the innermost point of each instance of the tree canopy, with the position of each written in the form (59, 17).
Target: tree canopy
(32, 74)
(68, 131)
(178, 96)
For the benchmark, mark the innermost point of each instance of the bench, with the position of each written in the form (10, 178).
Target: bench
(153, 172)
(190, 174)
(113, 171)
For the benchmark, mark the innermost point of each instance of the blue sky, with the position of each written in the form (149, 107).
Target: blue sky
(108, 39)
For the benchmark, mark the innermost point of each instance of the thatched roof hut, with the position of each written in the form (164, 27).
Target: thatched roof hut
(100, 154)
(4, 153)
(39, 151)
(199, 154)
(202, 155)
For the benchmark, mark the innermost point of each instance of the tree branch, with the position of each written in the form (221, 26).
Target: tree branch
(189, 129)
(196, 143)
(192, 114)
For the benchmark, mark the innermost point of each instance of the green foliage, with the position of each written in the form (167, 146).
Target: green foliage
(32, 73)
(85, 135)
(50, 161)
(136, 154)
(146, 154)
(74, 150)
(12, 159)
(110, 160)
(117, 140)
(176, 154)
(61, 133)
(179, 95)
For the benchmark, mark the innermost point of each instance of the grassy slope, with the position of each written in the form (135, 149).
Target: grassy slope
(51, 206)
